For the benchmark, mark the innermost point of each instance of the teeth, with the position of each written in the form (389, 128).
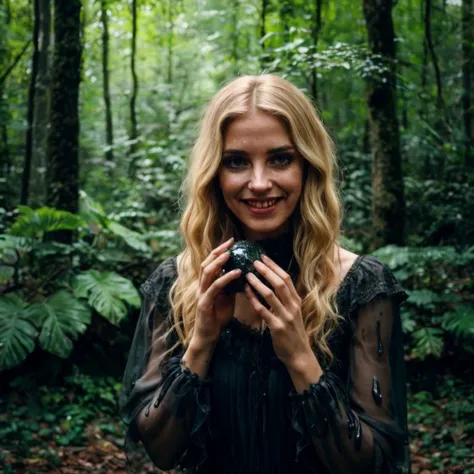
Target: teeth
(262, 204)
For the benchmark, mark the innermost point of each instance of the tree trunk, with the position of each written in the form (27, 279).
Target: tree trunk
(31, 107)
(263, 30)
(316, 29)
(468, 80)
(285, 13)
(434, 58)
(41, 112)
(170, 75)
(235, 36)
(133, 98)
(5, 163)
(109, 129)
(388, 205)
(63, 138)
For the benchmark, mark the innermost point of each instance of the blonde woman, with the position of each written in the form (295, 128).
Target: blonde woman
(307, 377)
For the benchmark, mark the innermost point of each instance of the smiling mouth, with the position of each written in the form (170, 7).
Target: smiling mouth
(261, 204)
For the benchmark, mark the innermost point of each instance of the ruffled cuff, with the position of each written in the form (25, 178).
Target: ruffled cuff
(191, 402)
(317, 411)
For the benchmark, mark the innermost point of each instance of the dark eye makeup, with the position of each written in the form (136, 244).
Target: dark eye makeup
(239, 162)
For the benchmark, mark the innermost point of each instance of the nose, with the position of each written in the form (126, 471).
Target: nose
(259, 181)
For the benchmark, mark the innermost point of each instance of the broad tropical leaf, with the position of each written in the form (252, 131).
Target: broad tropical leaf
(17, 331)
(461, 321)
(34, 223)
(106, 292)
(424, 298)
(130, 237)
(429, 341)
(64, 319)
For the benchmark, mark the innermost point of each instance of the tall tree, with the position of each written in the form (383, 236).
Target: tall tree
(63, 138)
(133, 98)
(468, 80)
(315, 31)
(434, 57)
(41, 109)
(388, 205)
(109, 129)
(263, 28)
(31, 106)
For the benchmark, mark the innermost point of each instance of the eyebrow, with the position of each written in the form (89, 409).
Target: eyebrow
(272, 151)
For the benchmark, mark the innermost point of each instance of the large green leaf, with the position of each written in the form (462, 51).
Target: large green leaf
(17, 331)
(34, 223)
(424, 298)
(130, 237)
(64, 318)
(429, 341)
(106, 292)
(460, 321)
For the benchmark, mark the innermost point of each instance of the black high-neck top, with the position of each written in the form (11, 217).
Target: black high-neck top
(246, 417)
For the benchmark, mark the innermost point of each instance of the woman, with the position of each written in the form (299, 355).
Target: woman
(313, 380)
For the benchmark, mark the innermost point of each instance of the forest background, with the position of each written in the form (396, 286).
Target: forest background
(99, 106)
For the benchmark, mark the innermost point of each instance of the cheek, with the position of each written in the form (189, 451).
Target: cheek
(229, 183)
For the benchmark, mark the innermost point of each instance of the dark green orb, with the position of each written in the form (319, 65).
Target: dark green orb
(242, 255)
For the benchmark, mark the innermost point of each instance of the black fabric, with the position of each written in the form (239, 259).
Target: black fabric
(246, 416)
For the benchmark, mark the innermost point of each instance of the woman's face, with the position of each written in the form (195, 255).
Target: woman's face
(261, 174)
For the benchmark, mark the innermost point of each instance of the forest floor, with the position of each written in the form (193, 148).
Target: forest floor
(65, 438)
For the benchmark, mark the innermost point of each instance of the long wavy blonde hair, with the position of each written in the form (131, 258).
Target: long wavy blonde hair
(206, 222)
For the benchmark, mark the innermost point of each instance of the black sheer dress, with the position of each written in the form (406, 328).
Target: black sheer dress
(246, 417)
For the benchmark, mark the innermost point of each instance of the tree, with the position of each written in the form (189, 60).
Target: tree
(109, 129)
(41, 109)
(31, 106)
(468, 79)
(133, 99)
(315, 31)
(388, 205)
(63, 138)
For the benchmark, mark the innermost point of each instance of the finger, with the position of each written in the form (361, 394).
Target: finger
(218, 286)
(217, 251)
(280, 284)
(267, 294)
(213, 270)
(281, 273)
(263, 312)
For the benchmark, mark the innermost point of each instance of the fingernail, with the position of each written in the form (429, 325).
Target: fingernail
(265, 258)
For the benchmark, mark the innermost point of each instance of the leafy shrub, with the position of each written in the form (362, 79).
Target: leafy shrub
(439, 315)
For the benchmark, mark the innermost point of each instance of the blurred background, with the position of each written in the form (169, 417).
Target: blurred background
(99, 105)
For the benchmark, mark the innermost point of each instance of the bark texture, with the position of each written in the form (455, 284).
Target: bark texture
(41, 111)
(133, 98)
(31, 107)
(109, 128)
(468, 80)
(316, 29)
(63, 139)
(388, 205)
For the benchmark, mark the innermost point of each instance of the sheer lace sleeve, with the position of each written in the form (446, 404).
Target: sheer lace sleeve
(163, 404)
(359, 425)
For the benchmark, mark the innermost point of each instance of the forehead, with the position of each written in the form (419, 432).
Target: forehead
(256, 129)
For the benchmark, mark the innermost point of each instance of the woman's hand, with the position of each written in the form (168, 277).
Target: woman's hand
(215, 308)
(284, 319)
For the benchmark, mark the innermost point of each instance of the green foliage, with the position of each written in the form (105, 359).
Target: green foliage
(440, 425)
(17, 331)
(35, 223)
(50, 292)
(106, 293)
(38, 415)
(62, 318)
(439, 312)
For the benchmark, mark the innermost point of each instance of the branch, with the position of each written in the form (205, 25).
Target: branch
(5, 75)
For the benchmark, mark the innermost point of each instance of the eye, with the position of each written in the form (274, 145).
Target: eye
(235, 162)
(282, 160)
